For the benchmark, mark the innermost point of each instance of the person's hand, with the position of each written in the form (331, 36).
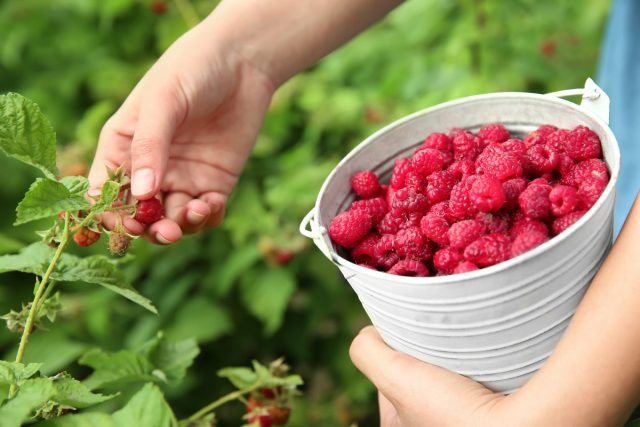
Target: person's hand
(184, 134)
(417, 394)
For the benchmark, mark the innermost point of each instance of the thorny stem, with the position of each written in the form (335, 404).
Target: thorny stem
(238, 394)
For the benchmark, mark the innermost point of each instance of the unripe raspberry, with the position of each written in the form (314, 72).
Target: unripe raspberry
(119, 243)
(86, 237)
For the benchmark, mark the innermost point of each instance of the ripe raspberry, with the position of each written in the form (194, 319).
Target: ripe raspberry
(486, 194)
(119, 242)
(366, 184)
(427, 160)
(442, 210)
(494, 133)
(512, 189)
(558, 140)
(527, 241)
(390, 224)
(489, 250)
(460, 206)
(86, 237)
(159, 7)
(149, 211)
(439, 141)
(499, 165)
(388, 195)
(515, 147)
(407, 200)
(527, 225)
(466, 146)
(565, 164)
(564, 200)
(592, 168)
(462, 233)
(411, 243)
(400, 169)
(462, 168)
(348, 228)
(589, 192)
(377, 208)
(386, 256)
(409, 267)
(446, 260)
(540, 135)
(534, 201)
(494, 222)
(583, 144)
(435, 228)
(439, 185)
(279, 415)
(564, 222)
(540, 159)
(415, 181)
(365, 251)
(465, 267)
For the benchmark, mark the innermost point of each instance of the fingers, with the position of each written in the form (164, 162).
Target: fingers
(388, 413)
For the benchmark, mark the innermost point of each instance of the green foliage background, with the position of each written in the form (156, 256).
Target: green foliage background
(78, 59)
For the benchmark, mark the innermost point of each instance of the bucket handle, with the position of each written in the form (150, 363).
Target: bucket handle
(309, 228)
(594, 99)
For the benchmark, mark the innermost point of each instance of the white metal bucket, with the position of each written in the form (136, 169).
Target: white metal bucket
(499, 324)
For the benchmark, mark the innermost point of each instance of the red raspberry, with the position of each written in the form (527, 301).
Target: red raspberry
(348, 228)
(462, 168)
(86, 237)
(400, 169)
(526, 225)
(565, 164)
(564, 200)
(411, 243)
(583, 144)
(466, 146)
(486, 194)
(442, 210)
(462, 233)
(460, 206)
(501, 166)
(446, 260)
(515, 147)
(512, 189)
(386, 256)
(592, 168)
(494, 223)
(589, 192)
(388, 195)
(159, 7)
(564, 222)
(526, 241)
(409, 267)
(435, 228)
(557, 140)
(149, 211)
(465, 267)
(494, 133)
(540, 135)
(415, 181)
(390, 224)
(540, 159)
(377, 208)
(427, 160)
(407, 200)
(366, 184)
(365, 251)
(489, 250)
(439, 185)
(534, 201)
(439, 141)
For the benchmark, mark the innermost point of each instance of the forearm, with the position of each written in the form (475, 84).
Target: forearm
(593, 377)
(283, 37)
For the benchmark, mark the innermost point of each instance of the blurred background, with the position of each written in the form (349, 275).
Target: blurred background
(254, 288)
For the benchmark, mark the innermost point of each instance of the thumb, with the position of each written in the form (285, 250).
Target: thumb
(158, 117)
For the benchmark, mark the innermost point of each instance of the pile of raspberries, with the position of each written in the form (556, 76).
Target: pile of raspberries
(464, 201)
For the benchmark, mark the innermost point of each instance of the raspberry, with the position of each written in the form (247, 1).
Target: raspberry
(119, 242)
(377, 208)
(86, 237)
(400, 169)
(534, 201)
(427, 160)
(407, 200)
(494, 223)
(515, 147)
(512, 189)
(589, 192)
(159, 7)
(526, 225)
(462, 168)
(388, 195)
(564, 222)
(540, 135)
(279, 415)
(415, 181)
(390, 224)
(409, 267)
(439, 141)
(442, 210)
(486, 194)
(365, 251)
(149, 211)
(494, 133)
(526, 241)
(386, 256)
(435, 228)
(565, 164)
(465, 267)
(489, 250)
(558, 140)
(439, 185)
(460, 206)
(564, 200)
(411, 243)
(462, 233)
(366, 184)
(446, 260)
(348, 228)
(540, 159)
(466, 146)
(499, 165)
(583, 144)
(592, 168)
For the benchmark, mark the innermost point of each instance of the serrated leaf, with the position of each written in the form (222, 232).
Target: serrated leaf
(72, 392)
(32, 259)
(124, 366)
(172, 358)
(76, 184)
(13, 372)
(200, 318)
(46, 198)
(266, 294)
(108, 195)
(93, 419)
(147, 408)
(32, 394)
(241, 377)
(26, 134)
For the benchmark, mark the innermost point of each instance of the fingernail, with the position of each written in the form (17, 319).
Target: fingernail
(160, 238)
(142, 182)
(195, 218)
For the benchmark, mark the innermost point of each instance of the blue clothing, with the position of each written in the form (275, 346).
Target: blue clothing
(619, 76)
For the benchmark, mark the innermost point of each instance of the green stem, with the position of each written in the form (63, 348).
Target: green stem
(188, 12)
(46, 295)
(224, 399)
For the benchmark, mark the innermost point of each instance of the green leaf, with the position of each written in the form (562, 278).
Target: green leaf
(53, 350)
(108, 195)
(8, 244)
(13, 372)
(4, 392)
(26, 134)
(241, 377)
(172, 358)
(72, 392)
(32, 394)
(124, 366)
(239, 261)
(266, 294)
(77, 185)
(93, 419)
(147, 408)
(46, 198)
(32, 259)
(199, 318)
